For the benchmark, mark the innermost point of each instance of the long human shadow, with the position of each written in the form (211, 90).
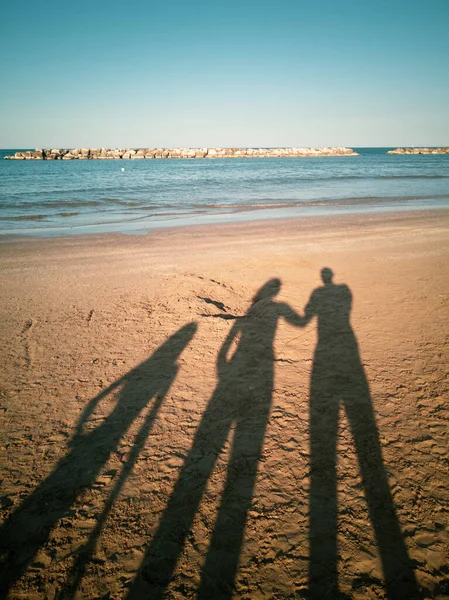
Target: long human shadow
(29, 527)
(338, 377)
(242, 399)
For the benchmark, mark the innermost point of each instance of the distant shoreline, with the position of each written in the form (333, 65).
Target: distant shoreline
(210, 153)
(188, 153)
(425, 150)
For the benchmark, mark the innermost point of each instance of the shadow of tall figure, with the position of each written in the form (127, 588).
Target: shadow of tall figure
(242, 398)
(29, 527)
(338, 376)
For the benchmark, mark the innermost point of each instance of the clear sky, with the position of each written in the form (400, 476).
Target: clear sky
(80, 73)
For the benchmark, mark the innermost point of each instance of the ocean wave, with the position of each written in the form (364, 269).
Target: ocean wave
(361, 200)
(24, 218)
(54, 204)
(298, 178)
(51, 204)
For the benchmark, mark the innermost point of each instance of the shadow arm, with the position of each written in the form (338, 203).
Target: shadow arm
(92, 405)
(222, 359)
(292, 317)
(310, 309)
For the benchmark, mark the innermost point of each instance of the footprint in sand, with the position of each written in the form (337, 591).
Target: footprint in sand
(27, 332)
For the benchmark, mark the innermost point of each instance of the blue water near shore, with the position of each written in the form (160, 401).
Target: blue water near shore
(68, 197)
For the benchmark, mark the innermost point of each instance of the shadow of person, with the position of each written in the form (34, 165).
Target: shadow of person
(338, 376)
(29, 527)
(242, 399)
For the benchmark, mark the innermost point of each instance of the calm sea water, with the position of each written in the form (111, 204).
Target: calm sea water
(69, 197)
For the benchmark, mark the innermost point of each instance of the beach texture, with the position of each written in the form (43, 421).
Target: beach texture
(171, 425)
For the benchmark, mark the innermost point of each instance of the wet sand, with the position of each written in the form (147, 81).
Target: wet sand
(171, 425)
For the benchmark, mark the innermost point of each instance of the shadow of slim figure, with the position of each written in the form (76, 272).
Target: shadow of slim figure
(338, 376)
(29, 527)
(242, 398)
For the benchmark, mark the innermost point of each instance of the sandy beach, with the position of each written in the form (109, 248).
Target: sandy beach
(172, 425)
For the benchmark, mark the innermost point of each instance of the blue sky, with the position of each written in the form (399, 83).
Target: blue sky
(205, 73)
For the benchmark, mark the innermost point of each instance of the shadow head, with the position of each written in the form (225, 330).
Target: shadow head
(327, 275)
(175, 344)
(270, 289)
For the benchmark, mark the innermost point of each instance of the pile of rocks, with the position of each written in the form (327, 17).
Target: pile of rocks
(135, 154)
(420, 151)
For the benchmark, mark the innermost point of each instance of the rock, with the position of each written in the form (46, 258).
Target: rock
(442, 150)
(41, 560)
(127, 153)
(425, 538)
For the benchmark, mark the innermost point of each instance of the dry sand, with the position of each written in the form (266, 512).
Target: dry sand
(144, 426)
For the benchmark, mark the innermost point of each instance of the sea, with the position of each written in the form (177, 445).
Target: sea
(58, 198)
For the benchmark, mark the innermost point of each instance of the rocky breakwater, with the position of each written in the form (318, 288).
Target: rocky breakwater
(142, 153)
(420, 151)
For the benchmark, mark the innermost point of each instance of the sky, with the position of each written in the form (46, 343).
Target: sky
(194, 73)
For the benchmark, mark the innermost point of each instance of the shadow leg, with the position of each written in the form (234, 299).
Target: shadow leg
(30, 526)
(398, 572)
(323, 581)
(168, 542)
(86, 555)
(219, 571)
